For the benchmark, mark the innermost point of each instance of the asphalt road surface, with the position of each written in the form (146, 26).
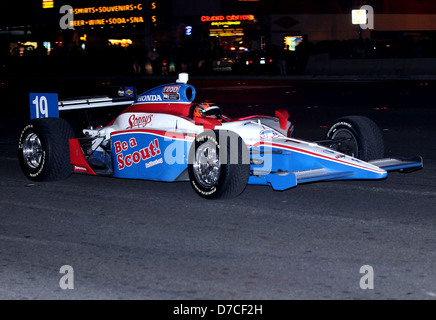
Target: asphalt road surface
(131, 239)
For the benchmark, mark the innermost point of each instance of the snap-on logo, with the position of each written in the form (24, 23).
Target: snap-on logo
(150, 98)
(141, 121)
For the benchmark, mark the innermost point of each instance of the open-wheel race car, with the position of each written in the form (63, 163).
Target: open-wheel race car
(164, 135)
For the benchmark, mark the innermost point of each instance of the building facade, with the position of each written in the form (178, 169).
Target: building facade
(134, 36)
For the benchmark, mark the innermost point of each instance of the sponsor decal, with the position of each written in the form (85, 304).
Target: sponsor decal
(335, 154)
(141, 121)
(135, 157)
(81, 169)
(150, 98)
(356, 160)
(171, 93)
(153, 163)
(269, 134)
(129, 91)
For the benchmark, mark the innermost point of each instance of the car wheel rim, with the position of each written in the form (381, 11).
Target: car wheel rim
(207, 167)
(32, 151)
(348, 144)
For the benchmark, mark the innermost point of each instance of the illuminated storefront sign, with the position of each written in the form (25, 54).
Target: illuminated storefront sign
(228, 25)
(291, 42)
(225, 23)
(122, 14)
(109, 9)
(227, 32)
(243, 17)
(121, 42)
(47, 4)
(110, 21)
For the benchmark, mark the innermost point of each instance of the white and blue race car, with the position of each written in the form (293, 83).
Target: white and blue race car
(164, 135)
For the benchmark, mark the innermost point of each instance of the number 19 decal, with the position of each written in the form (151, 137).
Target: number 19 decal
(43, 105)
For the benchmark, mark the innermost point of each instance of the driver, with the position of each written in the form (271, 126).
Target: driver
(208, 109)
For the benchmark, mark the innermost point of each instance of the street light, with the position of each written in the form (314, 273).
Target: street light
(364, 17)
(358, 16)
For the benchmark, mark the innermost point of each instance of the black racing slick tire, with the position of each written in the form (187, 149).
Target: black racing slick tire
(43, 149)
(219, 165)
(356, 136)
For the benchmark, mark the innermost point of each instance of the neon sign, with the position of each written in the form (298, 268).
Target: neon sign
(110, 21)
(227, 32)
(109, 9)
(225, 23)
(231, 17)
(46, 4)
(112, 15)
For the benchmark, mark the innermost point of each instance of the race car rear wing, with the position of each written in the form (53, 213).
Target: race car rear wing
(93, 102)
(44, 105)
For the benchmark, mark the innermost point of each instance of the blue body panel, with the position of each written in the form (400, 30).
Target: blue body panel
(284, 169)
(174, 92)
(149, 156)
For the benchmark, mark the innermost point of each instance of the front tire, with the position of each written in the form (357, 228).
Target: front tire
(43, 149)
(356, 136)
(219, 165)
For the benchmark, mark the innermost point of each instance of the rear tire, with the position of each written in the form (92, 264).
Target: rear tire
(361, 138)
(219, 165)
(43, 149)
